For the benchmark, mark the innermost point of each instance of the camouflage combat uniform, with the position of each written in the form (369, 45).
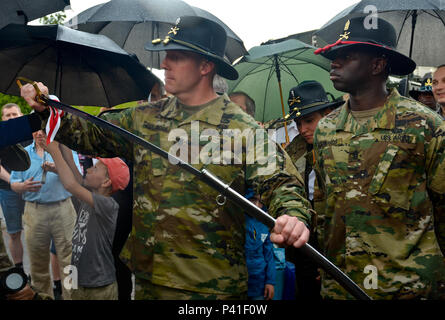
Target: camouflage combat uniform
(385, 186)
(304, 162)
(306, 270)
(180, 237)
(440, 113)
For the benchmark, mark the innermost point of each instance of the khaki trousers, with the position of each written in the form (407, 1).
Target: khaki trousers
(108, 292)
(5, 262)
(41, 223)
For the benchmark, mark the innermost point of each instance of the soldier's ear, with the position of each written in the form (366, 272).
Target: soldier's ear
(379, 65)
(207, 67)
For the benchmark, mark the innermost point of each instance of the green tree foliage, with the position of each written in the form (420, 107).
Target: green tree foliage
(4, 99)
(55, 18)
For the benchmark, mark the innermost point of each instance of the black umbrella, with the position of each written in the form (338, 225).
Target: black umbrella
(133, 23)
(420, 26)
(80, 68)
(22, 11)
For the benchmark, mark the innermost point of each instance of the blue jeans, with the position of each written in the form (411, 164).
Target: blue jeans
(12, 207)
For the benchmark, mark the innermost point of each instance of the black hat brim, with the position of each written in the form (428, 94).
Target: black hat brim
(415, 93)
(223, 68)
(315, 108)
(400, 64)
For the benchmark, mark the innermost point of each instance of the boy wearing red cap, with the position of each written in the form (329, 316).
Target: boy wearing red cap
(92, 258)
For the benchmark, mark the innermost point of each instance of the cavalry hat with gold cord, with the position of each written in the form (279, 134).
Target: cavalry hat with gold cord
(383, 37)
(201, 36)
(308, 97)
(426, 86)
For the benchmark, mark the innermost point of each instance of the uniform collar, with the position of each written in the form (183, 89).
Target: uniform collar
(171, 110)
(384, 119)
(297, 148)
(211, 113)
(440, 112)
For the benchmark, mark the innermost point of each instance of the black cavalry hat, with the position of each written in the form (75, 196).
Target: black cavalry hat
(426, 86)
(359, 32)
(199, 35)
(307, 97)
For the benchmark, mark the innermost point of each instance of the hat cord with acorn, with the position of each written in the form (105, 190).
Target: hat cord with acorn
(199, 35)
(309, 96)
(383, 37)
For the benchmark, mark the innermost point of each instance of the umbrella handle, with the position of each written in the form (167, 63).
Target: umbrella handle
(278, 72)
(284, 113)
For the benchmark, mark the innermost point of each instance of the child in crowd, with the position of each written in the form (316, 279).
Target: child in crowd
(92, 258)
(260, 259)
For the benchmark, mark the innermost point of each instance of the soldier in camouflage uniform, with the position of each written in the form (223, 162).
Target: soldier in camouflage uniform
(381, 159)
(184, 245)
(308, 103)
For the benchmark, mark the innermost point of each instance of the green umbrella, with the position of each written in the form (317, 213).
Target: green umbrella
(269, 71)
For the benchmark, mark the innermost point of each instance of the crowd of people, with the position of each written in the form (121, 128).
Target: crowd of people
(361, 180)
